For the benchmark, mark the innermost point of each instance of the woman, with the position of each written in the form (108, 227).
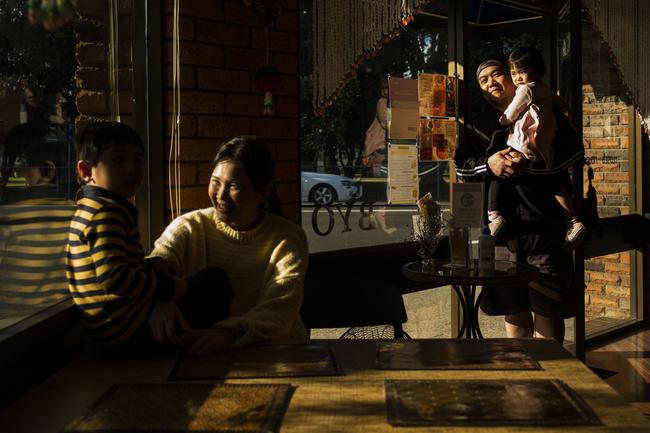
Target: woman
(264, 255)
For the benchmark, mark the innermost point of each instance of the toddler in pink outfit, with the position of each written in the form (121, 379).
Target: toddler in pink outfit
(532, 130)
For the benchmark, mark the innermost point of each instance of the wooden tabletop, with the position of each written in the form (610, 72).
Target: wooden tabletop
(352, 402)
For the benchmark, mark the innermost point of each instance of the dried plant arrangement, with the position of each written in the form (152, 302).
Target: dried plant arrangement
(427, 227)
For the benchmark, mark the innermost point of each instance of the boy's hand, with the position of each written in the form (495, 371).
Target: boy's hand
(207, 341)
(165, 321)
(165, 267)
(180, 288)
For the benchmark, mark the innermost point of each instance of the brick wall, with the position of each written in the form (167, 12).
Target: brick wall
(607, 125)
(222, 45)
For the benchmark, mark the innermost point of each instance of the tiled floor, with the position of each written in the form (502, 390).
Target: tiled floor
(629, 358)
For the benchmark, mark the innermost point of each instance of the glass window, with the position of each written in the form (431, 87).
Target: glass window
(609, 128)
(37, 184)
(344, 152)
(63, 65)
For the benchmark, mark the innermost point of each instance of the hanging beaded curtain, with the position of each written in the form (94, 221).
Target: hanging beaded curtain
(346, 31)
(624, 26)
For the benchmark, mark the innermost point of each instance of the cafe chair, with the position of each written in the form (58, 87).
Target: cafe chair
(355, 304)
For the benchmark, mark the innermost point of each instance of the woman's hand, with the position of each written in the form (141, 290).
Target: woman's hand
(206, 341)
(165, 322)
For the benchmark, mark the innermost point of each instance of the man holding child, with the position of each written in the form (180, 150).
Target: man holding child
(536, 229)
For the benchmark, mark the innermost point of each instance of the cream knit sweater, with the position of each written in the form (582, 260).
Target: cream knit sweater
(266, 267)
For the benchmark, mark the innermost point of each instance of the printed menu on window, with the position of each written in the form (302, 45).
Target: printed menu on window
(431, 94)
(437, 138)
(403, 181)
(404, 117)
(436, 95)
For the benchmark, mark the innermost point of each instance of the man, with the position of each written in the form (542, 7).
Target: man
(535, 231)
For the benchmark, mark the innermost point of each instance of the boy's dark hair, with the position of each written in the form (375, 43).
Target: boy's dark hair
(95, 138)
(527, 57)
(253, 155)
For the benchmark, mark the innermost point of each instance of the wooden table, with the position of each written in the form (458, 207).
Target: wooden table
(353, 402)
(465, 280)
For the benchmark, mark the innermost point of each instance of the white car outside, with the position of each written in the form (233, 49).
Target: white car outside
(324, 189)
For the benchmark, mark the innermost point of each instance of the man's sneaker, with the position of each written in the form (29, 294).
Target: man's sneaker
(496, 225)
(575, 233)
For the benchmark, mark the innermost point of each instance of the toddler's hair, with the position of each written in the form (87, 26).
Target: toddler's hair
(95, 138)
(527, 57)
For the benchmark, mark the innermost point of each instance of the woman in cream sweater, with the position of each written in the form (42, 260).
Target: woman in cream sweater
(265, 256)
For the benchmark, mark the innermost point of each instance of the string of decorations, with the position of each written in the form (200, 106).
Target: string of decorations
(173, 163)
(267, 76)
(113, 61)
(622, 26)
(347, 32)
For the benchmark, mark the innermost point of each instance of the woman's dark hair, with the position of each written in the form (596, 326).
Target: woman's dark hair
(253, 155)
(95, 138)
(527, 57)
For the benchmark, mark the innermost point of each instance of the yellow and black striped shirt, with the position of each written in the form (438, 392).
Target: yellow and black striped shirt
(33, 236)
(108, 276)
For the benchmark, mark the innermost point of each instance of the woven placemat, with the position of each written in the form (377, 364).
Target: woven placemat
(454, 355)
(273, 360)
(531, 402)
(206, 408)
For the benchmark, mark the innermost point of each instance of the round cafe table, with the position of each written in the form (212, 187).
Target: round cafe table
(464, 281)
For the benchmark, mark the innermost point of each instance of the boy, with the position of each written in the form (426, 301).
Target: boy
(122, 296)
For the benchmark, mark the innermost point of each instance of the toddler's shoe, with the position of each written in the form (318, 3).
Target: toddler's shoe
(496, 225)
(576, 232)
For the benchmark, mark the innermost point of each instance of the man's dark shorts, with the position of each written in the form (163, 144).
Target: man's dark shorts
(552, 295)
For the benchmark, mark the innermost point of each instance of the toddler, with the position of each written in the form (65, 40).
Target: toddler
(533, 127)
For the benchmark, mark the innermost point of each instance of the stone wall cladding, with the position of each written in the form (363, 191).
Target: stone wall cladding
(222, 45)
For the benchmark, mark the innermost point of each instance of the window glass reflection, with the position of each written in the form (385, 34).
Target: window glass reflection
(344, 156)
(37, 182)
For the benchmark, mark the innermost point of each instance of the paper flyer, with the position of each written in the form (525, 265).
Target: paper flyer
(432, 90)
(467, 204)
(437, 139)
(403, 96)
(403, 181)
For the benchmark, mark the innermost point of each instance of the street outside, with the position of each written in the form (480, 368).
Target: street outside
(429, 311)
(429, 316)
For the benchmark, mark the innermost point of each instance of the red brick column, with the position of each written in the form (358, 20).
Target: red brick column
(222, 45)
(606, 131)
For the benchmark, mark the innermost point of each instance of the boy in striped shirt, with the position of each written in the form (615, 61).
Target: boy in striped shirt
(124, 297)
